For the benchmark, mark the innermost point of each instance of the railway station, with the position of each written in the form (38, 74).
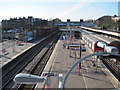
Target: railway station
(105, 32)
(60, 45)
(89, 76)
(60, 52)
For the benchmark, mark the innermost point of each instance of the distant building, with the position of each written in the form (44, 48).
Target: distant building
(75, 23)
(30, 20)
(115, 19)
(17, 27)
(56, 21)
(15, 23)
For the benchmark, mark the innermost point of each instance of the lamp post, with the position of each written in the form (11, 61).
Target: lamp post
(77, 62)
(35, 34)
(70, 51)
(23, 78)
(13, 41)
(26, 37)
(79, 65)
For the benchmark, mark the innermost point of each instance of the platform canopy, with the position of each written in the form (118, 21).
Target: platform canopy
(70, 29)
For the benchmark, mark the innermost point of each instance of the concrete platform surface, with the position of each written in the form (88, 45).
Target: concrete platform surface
(10, 49)
(89, 78)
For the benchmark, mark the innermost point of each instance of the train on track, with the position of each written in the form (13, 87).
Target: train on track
(109, 41)
(29, 36)
(99, 43)
(96, 44)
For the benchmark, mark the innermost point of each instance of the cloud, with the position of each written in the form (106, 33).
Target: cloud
(71, 10)
(79, 9)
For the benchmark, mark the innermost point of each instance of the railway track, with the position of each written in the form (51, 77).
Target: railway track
(92, 39)
(14, 68)
(38, 67)
(114, 66)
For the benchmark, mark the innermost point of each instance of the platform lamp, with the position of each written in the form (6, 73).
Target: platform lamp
(99, 53)
(23, 78)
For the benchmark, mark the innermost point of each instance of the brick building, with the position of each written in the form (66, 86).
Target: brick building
(17, 27)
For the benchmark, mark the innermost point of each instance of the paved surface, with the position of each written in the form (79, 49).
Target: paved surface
(88, 78)
(11, 49)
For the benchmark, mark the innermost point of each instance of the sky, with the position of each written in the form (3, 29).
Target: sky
(62, 9)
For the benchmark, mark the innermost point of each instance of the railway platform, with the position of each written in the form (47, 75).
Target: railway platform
(8, 52)
(90, 77)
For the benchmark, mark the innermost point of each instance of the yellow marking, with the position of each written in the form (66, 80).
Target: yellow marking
(51, 69)
(113, 80)
(78, 58)
(109, 75)
(115, 39)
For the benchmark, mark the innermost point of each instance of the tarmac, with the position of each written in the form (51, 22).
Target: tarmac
(90, 77)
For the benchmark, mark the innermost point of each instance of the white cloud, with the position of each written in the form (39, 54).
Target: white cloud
(24, 10)
(71, 10)
(46, 11)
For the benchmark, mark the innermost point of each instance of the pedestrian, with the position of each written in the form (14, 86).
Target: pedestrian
(93, 62)
(64, 38)
(63, 45)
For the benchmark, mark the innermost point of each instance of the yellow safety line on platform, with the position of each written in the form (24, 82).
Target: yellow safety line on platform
(53, 63)
(115, 39)
(51, 69)
(109, 75)
(113, 80)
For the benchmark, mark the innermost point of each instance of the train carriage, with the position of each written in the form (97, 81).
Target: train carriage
(92, 42)
(109, 41)
(98, 44)
(109, 46)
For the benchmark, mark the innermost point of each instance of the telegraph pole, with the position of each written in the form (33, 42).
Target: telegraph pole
(79, 65)
(26, 36)
(34, 34)
(13, 41)
(80, 49)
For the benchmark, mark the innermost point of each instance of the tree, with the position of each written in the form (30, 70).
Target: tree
(118, 24)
